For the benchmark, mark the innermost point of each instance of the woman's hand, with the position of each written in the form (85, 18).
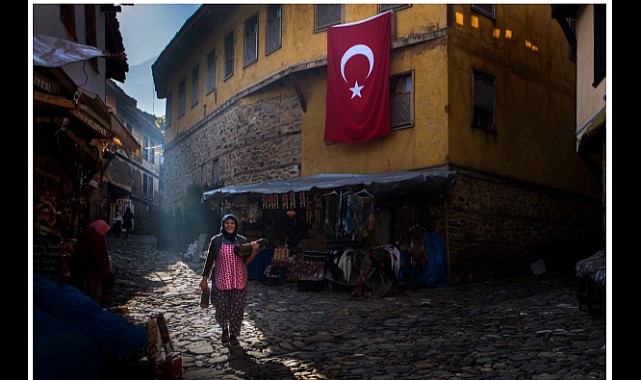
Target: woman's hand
(255, 248)
(204, 284)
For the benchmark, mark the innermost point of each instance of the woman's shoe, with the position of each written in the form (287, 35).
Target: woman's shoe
(225, 337)
(234, 341)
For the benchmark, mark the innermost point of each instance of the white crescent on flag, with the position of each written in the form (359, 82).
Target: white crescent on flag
(356, 50)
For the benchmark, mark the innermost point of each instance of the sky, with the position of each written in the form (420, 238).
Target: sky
(146, 30)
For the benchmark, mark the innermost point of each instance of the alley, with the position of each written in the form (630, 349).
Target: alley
(512, 329)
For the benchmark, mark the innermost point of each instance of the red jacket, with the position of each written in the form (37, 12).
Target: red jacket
(91, 258)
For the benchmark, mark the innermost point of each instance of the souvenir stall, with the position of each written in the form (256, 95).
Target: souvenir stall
(359, 233)
(74, 137)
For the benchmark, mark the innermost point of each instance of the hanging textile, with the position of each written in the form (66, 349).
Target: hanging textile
(434, 273)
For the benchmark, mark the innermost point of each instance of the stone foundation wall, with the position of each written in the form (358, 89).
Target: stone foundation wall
(246, 143)
(497, 228)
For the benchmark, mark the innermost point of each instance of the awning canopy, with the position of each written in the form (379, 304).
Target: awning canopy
(109, 126)
(434, 183)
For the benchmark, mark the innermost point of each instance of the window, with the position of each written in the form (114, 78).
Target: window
(194, 86)
(485, 9)
(145, 148)
(181, 98)
(211, 71)
(152, 152)
(168, 110)
(144, 186)
(326, 15)
(90, 31)
(599, 43)
(150, 188)
(148, 150)
(229, 55)
(251, 40)
(274, 28)
(147, 187)
(68, 18)
(386, 7)
(483, 93)
(401, 100)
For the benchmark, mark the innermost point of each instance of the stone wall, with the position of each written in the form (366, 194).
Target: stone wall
(246, 143)
(497, 228)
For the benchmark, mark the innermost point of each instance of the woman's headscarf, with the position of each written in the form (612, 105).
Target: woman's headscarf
(230, 237)
(100, 226)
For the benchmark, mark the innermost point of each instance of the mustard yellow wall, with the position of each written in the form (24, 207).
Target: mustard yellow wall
(536, 119)
(535, 99)
(590, 99)
(424, 145)
(301, 44)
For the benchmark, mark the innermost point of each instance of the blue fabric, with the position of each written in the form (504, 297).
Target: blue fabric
(61, 351)
(435, 272)
(112, 335)
(256, 268)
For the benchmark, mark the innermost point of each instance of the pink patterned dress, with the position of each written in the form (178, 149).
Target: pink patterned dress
(230, 270)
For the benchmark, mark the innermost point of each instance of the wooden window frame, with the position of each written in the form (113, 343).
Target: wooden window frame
(211, 71)
(274, 22)
(181, 98)
(168, 110)
(195, 86)
(250, 34)
(481, 9)
(410, 122)
(317, 13)
(229, 56)
(477, 110)
(380, 8)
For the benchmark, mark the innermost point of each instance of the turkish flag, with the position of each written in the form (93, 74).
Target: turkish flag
(357, 98)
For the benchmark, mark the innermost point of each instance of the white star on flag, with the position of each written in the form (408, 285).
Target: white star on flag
(356, 90)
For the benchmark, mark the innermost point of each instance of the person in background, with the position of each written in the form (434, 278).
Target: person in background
(229, 278)
(117, 228)
(128, 221)
(91, 267)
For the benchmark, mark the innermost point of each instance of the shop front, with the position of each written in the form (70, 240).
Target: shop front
(73, 137)
(361, 232)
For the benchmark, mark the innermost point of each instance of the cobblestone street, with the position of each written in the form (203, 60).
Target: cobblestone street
(511, 329)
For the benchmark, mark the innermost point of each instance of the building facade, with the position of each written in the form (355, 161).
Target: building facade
(74, 132)
(585, 29)
(486, 91)
(135, 182)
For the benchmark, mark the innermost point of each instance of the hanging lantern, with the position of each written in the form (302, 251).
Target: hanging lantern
(291, 213)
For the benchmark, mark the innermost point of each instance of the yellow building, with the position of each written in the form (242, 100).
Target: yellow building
(585, 30)
(482, 91)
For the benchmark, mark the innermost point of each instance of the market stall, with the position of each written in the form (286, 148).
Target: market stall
(381, 224)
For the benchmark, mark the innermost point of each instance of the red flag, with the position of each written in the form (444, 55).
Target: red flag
(357, 99)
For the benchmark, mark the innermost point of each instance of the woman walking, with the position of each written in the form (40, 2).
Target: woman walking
(128, 221)
(229, 278)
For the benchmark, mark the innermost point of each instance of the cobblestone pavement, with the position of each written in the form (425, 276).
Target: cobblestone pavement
(510, 329)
